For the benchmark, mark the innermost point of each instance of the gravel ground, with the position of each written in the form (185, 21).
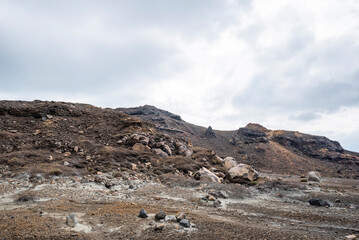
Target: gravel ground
(276, 208)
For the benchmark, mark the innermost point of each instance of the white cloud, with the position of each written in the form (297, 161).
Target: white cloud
(285, 64)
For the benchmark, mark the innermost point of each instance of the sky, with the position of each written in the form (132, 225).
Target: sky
(285, 64)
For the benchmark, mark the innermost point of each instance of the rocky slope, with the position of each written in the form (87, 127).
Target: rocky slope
(55, 138)
(75, 171)
(275, 151)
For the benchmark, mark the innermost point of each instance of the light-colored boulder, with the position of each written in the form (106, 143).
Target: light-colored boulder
(242, 173)
(139, 147)
(314, 176)
(351, 237)
(229, 162)
(208, 176)
(167, 149)
(159, 152)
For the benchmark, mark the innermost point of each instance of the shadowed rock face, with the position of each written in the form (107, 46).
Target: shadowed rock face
(150, 110)
(313, 146)
(252, 136)
(209, 133)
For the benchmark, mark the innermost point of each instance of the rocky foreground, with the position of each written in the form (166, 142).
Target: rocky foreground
(74, 171)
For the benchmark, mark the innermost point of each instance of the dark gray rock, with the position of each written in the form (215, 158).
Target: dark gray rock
(185, 223)
(209, 133)
(71, 220)
(160, 215)
(223, 194)
(143, 213)
(320, 202)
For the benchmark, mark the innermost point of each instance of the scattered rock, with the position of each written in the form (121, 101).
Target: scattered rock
(133, 166)
(67, 154)
(160, 215)
(143, 213)
(84, 180)
(223, 194)
(66, 163)
(320, 202)
(99, 179)
(139, 147)
(314, 176)
(229, 162)
(159, 152)
(26, 198)
(242, 173)
(211, 198)
(351, 237)
(167, 150)
(185, 223)
(39, 177)
(71, 220)
(208, 176)
(180, 216)
(159, 227)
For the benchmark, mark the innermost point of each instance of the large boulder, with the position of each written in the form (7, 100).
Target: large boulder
(314, 176)
(208, 176)
(229, 162)
(242, 173)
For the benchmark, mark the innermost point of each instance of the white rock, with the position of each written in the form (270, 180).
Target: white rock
(229, 162)
(351, 237)
(208, 176)
(314, 176)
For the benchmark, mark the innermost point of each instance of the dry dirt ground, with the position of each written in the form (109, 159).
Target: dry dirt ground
(276, 208)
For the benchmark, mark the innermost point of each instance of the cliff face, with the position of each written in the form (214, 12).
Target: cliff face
(276, 151)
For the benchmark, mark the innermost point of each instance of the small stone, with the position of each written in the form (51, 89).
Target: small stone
(320, 202)
(157, 198)
(314, 176)
(143, 213)
(160, 215)
(185, 223)
(351, 237)
(71, 220)
(180, 216)
(159, 227)
(84, 180)
(67, 154)
(66, 163)
(133, 166)
(223, 194)
(211, 198)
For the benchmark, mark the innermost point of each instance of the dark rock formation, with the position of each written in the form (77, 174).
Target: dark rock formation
(210, 133)
(249, 135)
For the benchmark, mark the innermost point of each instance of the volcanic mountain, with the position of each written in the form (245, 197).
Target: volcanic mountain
(272, 151)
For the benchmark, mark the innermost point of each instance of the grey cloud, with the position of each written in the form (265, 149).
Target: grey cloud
(305, 117)
(293, 88)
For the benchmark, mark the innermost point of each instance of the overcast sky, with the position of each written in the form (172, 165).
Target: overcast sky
(290, 65)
